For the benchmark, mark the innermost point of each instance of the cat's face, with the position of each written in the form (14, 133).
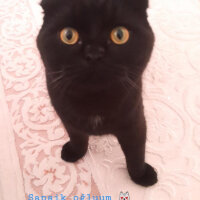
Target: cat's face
(124, 196)
(95, 57)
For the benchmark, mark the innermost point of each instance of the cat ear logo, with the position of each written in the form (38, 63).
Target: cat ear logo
(124, 196)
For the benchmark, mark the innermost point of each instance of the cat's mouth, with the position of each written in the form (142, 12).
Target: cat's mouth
(98, 80)
(101, 75)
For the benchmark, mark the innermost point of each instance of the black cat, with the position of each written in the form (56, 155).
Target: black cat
(95, 52)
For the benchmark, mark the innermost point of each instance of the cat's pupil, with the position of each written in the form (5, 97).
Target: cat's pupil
(120, 34)
(69, 34)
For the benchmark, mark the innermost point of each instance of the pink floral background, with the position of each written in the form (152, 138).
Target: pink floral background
(31, 134)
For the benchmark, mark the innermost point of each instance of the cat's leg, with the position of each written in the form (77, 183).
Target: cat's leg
(76, 147)
(132, 139)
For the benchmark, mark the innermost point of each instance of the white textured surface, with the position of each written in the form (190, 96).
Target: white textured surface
(172, 107)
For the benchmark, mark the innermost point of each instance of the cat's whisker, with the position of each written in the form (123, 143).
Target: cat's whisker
(132, 83)
(67, 81)
(124, 84)
(53, 73)
(57, 79)
(135, 75)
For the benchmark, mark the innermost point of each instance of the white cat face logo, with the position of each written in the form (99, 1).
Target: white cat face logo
(124, 196)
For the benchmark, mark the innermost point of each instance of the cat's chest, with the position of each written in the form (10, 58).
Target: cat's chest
(95, 121)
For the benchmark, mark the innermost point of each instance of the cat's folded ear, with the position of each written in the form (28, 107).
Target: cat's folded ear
(49, 5)
(46, 5)
(139, 5)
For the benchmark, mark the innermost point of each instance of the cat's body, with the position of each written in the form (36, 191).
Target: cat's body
(95, 85)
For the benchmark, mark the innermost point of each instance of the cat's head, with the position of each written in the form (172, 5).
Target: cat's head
(124, 196)
(92, 42)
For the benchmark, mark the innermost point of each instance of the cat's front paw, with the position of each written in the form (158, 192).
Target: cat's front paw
(71, 153)
(148, 178)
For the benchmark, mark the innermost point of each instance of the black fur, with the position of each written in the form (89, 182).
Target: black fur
(104, 94)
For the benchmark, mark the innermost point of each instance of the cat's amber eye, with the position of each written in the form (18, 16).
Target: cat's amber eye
(119, 35)
(69, 36)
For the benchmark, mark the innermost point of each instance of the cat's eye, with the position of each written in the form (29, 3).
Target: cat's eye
(69, 36)
(119, 35)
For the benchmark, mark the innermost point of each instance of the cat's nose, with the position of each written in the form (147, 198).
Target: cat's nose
(93, 53)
